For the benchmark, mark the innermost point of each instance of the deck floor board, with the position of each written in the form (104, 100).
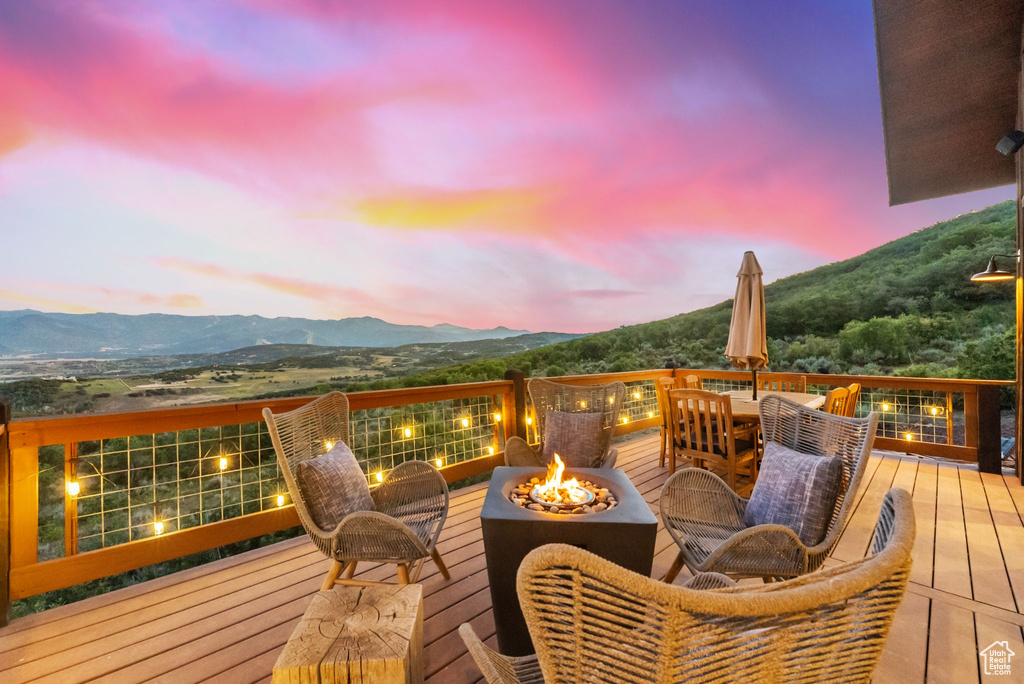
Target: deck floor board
(226, 621)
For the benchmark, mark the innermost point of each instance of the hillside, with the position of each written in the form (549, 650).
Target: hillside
(109, 335)
(907, 307)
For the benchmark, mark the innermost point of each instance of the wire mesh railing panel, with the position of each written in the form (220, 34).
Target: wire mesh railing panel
(641, 402)
(720, 386)
(911, 415)
(140, 486)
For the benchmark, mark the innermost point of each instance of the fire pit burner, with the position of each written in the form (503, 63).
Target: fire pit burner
(557, 495)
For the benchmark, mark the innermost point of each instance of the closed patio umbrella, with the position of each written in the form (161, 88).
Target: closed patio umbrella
(748, 338)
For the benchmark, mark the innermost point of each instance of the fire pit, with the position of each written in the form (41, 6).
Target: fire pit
(558, 495)
(597, 509)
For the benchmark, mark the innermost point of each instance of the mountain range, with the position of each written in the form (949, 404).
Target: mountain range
(37, 334)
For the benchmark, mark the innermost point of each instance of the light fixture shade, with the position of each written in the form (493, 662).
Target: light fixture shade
(992, 274)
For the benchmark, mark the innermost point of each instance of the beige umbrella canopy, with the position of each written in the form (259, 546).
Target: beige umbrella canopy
(748, 338)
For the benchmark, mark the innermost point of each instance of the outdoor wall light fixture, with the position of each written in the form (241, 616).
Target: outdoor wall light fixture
(993, 273)
(1010, 143)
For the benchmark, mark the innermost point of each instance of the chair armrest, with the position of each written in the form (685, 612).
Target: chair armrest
(520, 454)
(609, 460)
(760, 551)
(709, 580)
(701, 496)
(375, 536)
(497, 668)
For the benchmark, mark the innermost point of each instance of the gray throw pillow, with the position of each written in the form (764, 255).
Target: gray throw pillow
(333, 485)
(575, 437)
(796, 490)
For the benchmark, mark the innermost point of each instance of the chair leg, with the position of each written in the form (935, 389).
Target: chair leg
(332, 576)
(403, 573)
(661, 455)
(440, 564)
(350, 570)
(674, 569)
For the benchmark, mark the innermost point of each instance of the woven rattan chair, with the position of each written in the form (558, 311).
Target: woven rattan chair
(554, 396)
(592, 621)
(410, 505)
(703, 431)
(705, 517)
(501, 669)
(792, 385)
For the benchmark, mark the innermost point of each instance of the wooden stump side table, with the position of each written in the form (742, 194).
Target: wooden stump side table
(355, 635)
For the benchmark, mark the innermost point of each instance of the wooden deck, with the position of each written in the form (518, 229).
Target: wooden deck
(227, 621)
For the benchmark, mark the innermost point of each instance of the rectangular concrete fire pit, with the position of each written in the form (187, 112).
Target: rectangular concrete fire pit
(623, 534)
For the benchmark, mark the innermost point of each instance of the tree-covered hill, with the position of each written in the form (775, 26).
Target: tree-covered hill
(907, 307)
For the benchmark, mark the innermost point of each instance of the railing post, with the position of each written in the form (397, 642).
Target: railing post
(518, 379)
(989, 430)
(5, 513)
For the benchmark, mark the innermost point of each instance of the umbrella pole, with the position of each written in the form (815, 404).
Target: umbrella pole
(753, 375)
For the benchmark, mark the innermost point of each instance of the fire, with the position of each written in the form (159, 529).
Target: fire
(554, 490)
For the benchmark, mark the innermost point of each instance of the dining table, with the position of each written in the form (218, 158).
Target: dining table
(744, 407)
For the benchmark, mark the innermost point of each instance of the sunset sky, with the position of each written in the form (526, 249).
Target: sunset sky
(549, 165)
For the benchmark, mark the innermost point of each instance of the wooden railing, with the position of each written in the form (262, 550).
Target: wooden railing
(502, 407)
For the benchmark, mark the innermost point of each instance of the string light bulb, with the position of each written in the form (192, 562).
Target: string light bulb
(650, 414)
(490, 450)
(74, 488)
(380, 476)
(625, 419)
(223, 463)
(636, 395)
(935, 410)
(158, 527)
(611, 400)
(439, 462)
(583, 403)
(328, 445)
(280, 500)
(529, 420)
(909, 436)
(465, 422)
(497, 417)
(407, 432)
(885, 406)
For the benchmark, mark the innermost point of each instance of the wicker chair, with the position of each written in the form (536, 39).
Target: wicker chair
(792, 385)
(704, 432)
(705, 517)
(591, 621)
(553, 396)
(410, 505)
(501, 669)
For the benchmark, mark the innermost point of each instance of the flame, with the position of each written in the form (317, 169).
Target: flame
(555, 490)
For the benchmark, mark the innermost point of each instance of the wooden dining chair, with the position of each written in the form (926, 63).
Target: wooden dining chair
(704, 432)
(693, 382)
(662, 387)
(854, 400)
(798, 384)
(837, 401)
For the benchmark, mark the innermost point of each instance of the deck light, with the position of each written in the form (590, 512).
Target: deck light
(909, 436)
(328, 445)
(625, 419)
(935, 410)
(885, 406)
(223, 463)
(993, 273)
(439, 462)
(583, 403)
(490, 450)
(636, 395)
(529, 420)
(650, 414)
(611, 400)
(280, 500)
(497, 417)
(380, 476)
(74, 488)
(407, 432)
(465, 422)
(158, 527)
